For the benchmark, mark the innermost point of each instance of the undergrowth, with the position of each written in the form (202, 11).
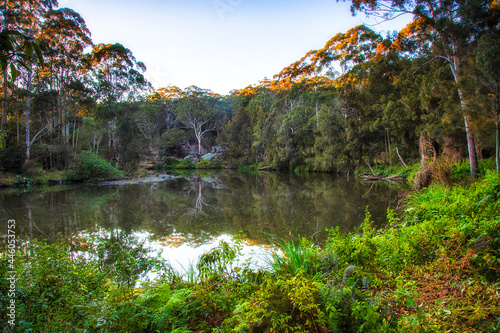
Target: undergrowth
(434, 268)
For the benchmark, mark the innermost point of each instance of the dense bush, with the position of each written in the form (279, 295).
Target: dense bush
(91, 166)
(12, 159)
(169, 161)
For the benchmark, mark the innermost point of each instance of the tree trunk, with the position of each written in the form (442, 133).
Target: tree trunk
(199, 147)
(471, 145)
(4, 102)
(28, 112)
(5, 77)
(497, 146)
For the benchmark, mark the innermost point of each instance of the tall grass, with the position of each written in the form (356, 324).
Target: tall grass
(293, 257)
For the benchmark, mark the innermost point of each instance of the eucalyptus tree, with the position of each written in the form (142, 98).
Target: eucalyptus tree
(200, 110)
(355, 51)
(488, 65)
(449, 28)
(118, 76)
(29, 24)
(18, 50)
(64, 38)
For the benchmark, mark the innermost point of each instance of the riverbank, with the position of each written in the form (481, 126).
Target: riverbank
(434, 268)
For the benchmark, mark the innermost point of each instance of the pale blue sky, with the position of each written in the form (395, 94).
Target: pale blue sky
(217, 44)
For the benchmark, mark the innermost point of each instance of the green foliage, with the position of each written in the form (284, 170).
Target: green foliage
(22, 182)
(433, 268)
(56, 288)
(295, 257)
(172, 163)
(460, 172)
(282, 304)
(247, 168)
(184, 164)
(207, 164)
(442, 229)
(353, 308)
(354, 249)
(169, 161)
(218, 263)
(90, 166)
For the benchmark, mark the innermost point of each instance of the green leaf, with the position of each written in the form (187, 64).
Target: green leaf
(13, 72)
(39, 55)
(28, 49)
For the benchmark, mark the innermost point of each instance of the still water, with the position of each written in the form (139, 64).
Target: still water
(187, 215)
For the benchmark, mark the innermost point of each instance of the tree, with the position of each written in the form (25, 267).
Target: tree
(199, 111)
(20, 22)
(488, 65)
(63, 39)
(451, 27)
(118, 77)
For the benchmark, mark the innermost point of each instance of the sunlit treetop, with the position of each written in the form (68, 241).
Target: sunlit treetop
(174, 93)
(344, 51)
(263, 86)
(194, 91)
(414, 35)
(116, 56)
(300, 69)
(166, 93)
(64, 37)
(67, 24)
(355, 46)
(247, 91)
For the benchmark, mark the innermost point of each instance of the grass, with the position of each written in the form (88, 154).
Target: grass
(294, 256)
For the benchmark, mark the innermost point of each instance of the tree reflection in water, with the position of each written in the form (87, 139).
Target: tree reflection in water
(197, 208)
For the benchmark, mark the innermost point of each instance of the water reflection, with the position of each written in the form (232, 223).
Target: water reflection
(198, 208)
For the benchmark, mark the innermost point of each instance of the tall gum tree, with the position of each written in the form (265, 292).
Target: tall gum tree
(488, 65)
(354, 52)
(31, 29)
(451, 31)
(118, 76)
(20, 21)
(64, 38)
(199, 110)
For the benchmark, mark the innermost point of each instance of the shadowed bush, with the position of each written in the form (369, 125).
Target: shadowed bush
(89, 166)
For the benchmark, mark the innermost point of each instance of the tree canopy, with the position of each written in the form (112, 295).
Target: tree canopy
(426, 92)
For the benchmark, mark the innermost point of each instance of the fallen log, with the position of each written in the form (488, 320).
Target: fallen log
(381, 177)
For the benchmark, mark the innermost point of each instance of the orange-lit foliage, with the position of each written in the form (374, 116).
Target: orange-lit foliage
(166, 93)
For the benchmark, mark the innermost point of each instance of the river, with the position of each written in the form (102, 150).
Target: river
(186, 215)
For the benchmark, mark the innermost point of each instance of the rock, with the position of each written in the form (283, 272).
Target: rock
(208, 157)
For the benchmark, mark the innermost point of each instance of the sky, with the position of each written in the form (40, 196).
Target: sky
(218, 44)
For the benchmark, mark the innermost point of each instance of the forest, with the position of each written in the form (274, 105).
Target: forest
(429, 91)
(423, 102)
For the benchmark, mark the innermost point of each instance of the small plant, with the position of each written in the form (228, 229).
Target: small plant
(204, 164)
(22, 182)
(169, 161)
(220, 264)
(295, 257)
(282, 304)
(184, 164)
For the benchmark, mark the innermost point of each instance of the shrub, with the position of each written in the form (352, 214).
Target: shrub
(169, 161)
(282, 304)
(91, 166)
(204, 164)
(301, 256)
(22, 182)
(184, 164)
